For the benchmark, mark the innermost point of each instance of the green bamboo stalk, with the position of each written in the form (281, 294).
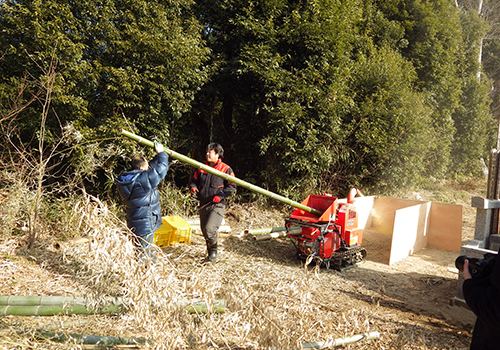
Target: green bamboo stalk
(48, 306)
(219, 307)
(227, 177)
(35, 300)
(87, 339)
(57, 305)
(51, 310)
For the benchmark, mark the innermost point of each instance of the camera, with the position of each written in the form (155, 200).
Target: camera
(478, 268)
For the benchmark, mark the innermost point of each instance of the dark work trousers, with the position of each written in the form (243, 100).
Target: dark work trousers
(210, 220)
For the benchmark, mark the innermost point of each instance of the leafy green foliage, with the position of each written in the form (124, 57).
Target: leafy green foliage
(388, 131)
(491, 64)
(309, 96)
(135, 59)
(282, 72)
(434, 50)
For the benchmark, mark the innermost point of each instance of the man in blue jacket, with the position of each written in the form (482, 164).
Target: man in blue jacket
(138, 188)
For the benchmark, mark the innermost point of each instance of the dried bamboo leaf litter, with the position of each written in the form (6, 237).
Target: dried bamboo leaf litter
(273, 301)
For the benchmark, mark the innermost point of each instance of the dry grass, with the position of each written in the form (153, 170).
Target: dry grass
(273, 301)
(269, 306)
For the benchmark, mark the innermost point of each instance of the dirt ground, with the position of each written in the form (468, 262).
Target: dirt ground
(408, 302)
(412, 299)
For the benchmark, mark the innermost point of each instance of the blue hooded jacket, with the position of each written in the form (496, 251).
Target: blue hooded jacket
(138, 189)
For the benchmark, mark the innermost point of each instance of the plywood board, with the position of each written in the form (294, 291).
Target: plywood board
(409, 225)
(384, 211)
(410, 231)
(364, 206)
(445, 227)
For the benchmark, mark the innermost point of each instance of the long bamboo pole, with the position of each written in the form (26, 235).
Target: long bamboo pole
(227, 177)
(86, 339)
(59, 305)
(200, 306)
(51, 310)
(101, 340)
(36, 300)
(21, 305)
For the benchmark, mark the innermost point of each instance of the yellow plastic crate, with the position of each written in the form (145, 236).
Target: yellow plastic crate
(173, 230)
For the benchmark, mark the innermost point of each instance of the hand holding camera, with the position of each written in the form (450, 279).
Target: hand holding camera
(466, 271)
(476, 268)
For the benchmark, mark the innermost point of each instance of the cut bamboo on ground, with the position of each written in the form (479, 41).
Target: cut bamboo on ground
(262, 231)
(341, 341)
(277, 235)
(36, 300)
(50, 306)
(52, 310)
(100, 340)
(195, 226)
(55, 305)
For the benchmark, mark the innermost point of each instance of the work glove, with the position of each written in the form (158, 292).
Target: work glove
(158, 147)
(193, 191)
(216, 199)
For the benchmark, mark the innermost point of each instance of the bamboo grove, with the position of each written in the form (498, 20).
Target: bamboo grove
(312, 95)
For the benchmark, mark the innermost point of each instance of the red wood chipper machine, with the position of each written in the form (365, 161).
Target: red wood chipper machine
(333, 237)
(329, 227)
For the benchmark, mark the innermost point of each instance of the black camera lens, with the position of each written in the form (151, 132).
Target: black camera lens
(459, 262)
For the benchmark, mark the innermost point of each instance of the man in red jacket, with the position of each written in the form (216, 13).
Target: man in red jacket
(212, 192)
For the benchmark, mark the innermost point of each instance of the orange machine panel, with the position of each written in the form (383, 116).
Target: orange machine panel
(354, 237)
(347, 216)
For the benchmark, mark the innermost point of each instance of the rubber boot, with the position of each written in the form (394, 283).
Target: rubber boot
(212, 254)
(209, 251)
